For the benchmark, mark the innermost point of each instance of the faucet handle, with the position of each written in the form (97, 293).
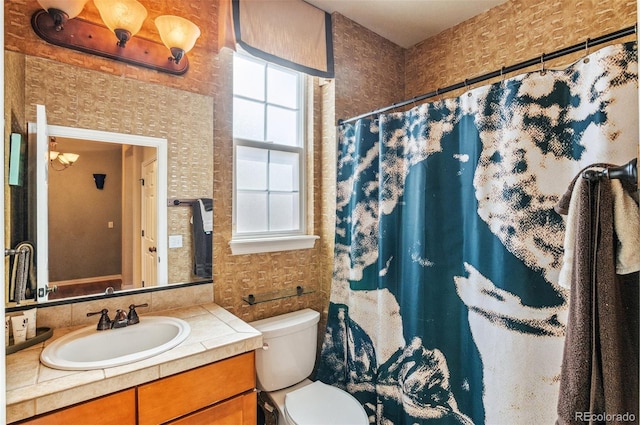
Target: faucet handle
(132, 317)
(104, 323)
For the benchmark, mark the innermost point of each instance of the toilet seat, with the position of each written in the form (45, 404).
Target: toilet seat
(321, 404)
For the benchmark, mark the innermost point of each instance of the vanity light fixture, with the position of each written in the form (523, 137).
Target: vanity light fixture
(58, 25)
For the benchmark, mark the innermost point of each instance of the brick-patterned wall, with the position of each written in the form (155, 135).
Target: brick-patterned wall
(510, 33)
(369, 69)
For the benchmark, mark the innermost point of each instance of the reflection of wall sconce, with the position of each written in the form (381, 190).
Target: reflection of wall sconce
(99, 179)
(124, 18)
(58, 160)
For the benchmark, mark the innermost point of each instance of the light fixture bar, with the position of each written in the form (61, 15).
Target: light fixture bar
(87, 37)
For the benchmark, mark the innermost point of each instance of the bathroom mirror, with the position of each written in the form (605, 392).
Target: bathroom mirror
(87, 219)
(101, 216)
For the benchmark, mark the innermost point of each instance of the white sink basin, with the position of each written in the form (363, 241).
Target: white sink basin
(88, 348)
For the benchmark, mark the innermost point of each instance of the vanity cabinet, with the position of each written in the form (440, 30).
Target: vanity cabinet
(218, 393)
(113, 409)
(202, 388)
(240, 410)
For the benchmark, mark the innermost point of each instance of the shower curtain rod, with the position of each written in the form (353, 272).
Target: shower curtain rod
(504, 70)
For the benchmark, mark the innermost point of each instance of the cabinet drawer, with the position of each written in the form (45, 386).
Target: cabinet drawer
(175, 396)
(113, 409)
(240, 410)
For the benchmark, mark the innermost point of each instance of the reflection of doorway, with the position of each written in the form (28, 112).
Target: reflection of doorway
(148, 223)
(133, 259)
(85, 238)
(94, 234)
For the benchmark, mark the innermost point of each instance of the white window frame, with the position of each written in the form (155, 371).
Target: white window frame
(271, 241)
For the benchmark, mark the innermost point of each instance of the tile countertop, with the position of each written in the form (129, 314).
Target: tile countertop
(33, 388)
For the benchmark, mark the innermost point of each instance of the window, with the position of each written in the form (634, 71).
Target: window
(269, 151)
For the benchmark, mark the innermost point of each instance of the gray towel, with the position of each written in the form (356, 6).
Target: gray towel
(599, 376)
(202, 237)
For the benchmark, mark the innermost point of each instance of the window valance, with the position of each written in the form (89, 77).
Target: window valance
(290, 33)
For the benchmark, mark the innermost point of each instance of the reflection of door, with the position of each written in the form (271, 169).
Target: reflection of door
(148, 224)
(42, 226)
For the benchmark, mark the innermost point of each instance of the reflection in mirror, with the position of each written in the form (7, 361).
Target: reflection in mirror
(102, 216)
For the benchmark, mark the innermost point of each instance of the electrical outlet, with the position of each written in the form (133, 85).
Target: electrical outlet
(175, 241)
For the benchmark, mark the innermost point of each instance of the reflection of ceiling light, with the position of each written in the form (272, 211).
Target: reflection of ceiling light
(58, 160)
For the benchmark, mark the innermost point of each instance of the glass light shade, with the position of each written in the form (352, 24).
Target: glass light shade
(70, 157)
(71, 7)
(53, 155)
(122, 14)
(177, 32)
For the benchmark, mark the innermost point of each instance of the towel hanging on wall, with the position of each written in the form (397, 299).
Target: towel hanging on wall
(202, 237)
(599, 372)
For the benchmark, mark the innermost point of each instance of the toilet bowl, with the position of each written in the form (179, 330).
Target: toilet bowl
(283, 366)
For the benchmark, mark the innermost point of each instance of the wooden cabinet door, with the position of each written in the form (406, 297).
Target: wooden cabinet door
(178, 395)
(240, 410)
(114, 409)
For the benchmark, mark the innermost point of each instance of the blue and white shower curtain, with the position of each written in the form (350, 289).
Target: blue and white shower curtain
(445, 306)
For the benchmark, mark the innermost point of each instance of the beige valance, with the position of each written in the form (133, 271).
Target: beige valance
(291, 33)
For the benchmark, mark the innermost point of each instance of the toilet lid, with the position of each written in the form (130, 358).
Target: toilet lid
(321, 404)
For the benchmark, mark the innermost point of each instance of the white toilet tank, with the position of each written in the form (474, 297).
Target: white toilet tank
(289, 351)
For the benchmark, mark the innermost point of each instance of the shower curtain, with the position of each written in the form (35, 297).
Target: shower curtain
(445, 306)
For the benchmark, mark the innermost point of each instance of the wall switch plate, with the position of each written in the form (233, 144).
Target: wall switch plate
(175, 241)
(110, 225)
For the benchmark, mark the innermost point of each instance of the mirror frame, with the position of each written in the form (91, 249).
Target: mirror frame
(42, 132)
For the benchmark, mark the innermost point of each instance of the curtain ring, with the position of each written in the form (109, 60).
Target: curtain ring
(586, 50)
(466, 87)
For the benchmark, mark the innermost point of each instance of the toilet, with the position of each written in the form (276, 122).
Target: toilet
(283, 366)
